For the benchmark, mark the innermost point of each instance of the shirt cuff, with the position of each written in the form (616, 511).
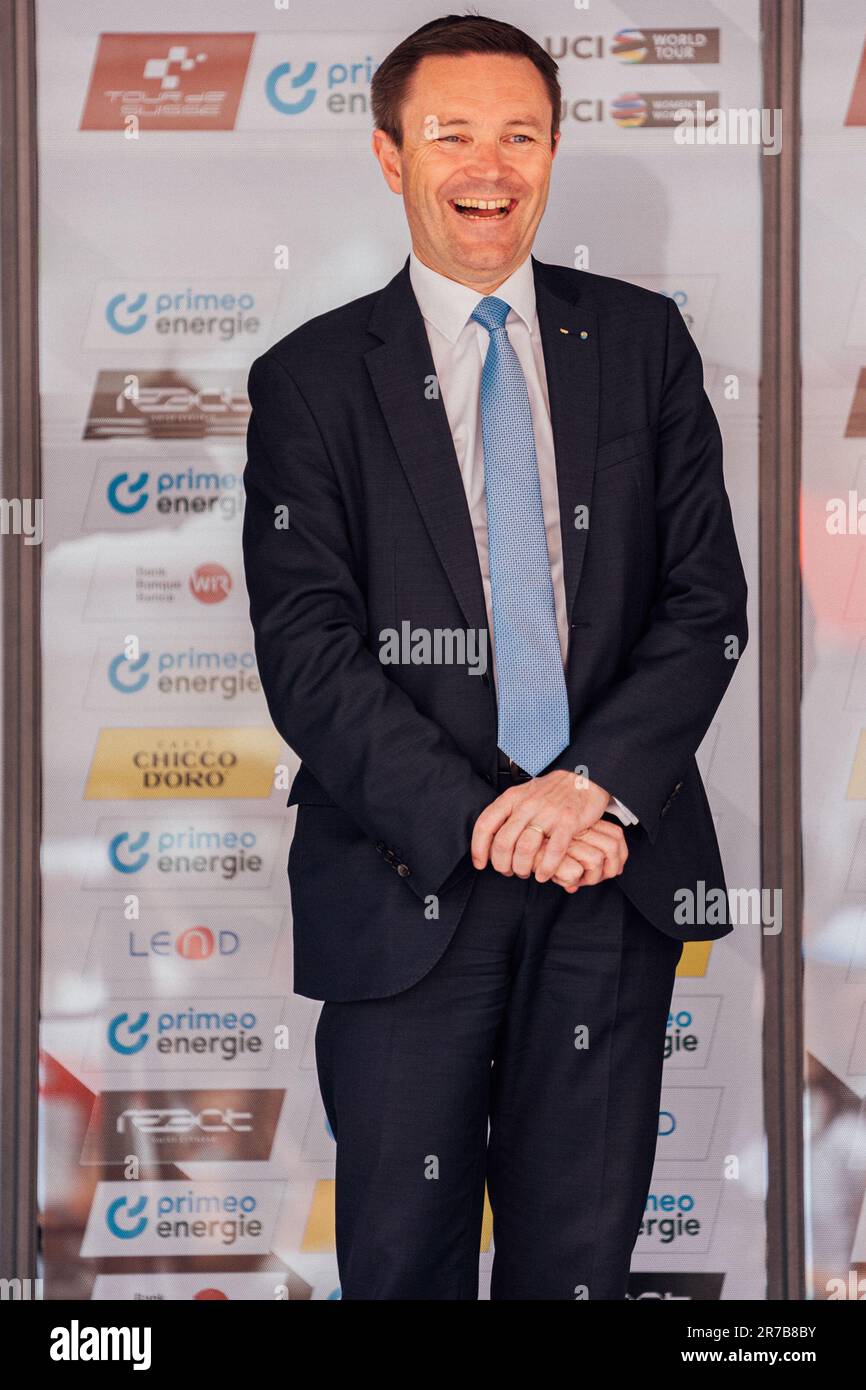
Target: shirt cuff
(616, 808)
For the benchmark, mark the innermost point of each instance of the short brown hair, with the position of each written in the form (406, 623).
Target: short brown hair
(454, 34)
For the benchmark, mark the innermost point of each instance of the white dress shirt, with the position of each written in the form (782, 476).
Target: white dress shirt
(459, 347)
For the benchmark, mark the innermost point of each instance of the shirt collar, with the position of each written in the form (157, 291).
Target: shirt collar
(447, 305)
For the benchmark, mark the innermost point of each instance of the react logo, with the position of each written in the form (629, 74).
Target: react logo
(121, 663)
(290, 108)
(136, 504)
(127, 1049)
(132, 846)
(116, 1214)
(131, 324)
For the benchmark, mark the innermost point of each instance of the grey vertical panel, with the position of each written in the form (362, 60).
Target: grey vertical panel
(782, 26)
(19, 936)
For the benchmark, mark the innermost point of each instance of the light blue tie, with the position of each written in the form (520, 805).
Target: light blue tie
(533, 703)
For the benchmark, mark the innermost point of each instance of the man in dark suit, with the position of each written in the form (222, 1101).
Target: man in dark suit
(490, 457)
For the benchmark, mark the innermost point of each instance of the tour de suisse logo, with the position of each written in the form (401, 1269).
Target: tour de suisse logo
(167, 81)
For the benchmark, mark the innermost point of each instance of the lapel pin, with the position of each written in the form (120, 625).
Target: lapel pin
(583, 333)
(563, 330)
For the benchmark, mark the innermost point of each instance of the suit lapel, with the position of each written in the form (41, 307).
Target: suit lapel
(572, 369)
(401, 369)
(402, 372)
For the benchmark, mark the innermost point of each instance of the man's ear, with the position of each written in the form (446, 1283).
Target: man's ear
(555, 145)
(389, 160)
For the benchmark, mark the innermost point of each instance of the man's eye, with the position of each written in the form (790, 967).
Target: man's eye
(521, 137)
(443, 138)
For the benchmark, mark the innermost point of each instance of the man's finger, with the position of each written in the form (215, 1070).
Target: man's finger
(554, 851)
(487, 825)
(526, 851)
(612, 846)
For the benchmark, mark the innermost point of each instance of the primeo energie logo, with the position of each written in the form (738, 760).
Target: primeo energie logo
(200, 1032)
(224, 1217)
(217, 314)
(187, 492)
(292, 88)
(196, 672)
(188, 852)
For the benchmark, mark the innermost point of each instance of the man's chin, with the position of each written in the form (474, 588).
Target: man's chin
(486, 260)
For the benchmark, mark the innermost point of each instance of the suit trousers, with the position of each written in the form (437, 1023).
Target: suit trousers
(528, 1058)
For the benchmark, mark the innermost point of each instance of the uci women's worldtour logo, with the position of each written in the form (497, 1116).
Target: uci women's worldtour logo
(217, 314)
(146, 82)
(187, 1218)
(152, 764)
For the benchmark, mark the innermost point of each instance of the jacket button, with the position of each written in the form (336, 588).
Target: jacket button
(403, 870)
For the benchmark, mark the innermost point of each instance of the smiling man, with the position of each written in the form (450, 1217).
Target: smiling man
(485, 862)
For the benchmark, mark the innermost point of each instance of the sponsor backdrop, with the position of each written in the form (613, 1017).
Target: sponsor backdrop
(834, 641)
(206, 185)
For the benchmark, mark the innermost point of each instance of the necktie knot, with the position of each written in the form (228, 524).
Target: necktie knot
(491, 313)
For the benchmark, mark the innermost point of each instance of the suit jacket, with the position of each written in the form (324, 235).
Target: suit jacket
(397, 761)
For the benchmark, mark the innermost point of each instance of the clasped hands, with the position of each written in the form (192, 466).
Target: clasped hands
(551, 827)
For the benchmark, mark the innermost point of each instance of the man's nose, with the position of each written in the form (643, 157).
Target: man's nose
(488, 161)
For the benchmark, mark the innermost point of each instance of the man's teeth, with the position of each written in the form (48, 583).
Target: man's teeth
(483, 204)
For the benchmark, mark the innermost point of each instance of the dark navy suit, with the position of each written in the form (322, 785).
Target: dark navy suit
(428, 966)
